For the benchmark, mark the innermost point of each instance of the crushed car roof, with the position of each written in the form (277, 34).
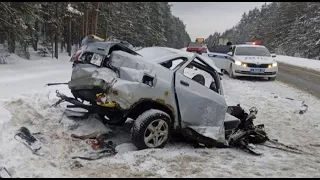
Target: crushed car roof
(159, 54)
(104, 47)
(162, 54)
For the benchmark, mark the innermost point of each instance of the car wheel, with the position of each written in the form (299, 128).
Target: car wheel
(152, 129)
(231, 75)
(272, 78)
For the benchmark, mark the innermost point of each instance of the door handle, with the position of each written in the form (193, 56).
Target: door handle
(184, 83)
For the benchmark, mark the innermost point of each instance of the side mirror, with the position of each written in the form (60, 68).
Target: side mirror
(273, 55)
(230, 53)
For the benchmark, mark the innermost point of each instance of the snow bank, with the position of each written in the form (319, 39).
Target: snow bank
(21, 76)
(302, 62)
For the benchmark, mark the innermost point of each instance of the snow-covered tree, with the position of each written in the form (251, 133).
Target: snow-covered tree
(289, 28)
(24, 24)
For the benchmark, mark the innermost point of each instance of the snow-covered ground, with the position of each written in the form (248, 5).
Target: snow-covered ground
(302, 62)
(25, 101)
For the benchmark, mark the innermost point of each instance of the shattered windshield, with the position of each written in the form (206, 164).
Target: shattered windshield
(252, 51)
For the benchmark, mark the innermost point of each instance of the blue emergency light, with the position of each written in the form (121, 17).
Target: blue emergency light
(249, 43)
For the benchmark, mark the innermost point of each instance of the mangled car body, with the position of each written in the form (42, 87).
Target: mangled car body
(164, 90)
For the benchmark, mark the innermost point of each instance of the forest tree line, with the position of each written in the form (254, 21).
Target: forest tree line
(25, 24)
(287, 28)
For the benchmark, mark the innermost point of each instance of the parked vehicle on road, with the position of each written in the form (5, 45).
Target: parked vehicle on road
(197, 47)
(247, 60)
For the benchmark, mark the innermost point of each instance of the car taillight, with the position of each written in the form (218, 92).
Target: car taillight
(76, 56)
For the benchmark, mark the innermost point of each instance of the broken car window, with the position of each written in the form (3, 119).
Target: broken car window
(198, 61)
(172, 64)
(200, 75)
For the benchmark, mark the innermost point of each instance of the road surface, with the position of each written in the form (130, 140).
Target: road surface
(302, 78)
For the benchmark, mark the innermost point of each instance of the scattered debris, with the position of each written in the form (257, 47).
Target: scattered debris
(275, 96)
(303, 108)
(246, 134)
(98, 144)
(76, 165)
(97, 155)
(289, 98)
(76, 114)
(24, 136)
(52, 164)
(315, 145)
(243, 137)
(282, 146)
(53, 84)
(4, 173)
(94, 135)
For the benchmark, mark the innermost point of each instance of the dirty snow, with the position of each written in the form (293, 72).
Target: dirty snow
(302, 62)
(28, 103)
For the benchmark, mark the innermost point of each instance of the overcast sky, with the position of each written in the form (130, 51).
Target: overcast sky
(204, 18)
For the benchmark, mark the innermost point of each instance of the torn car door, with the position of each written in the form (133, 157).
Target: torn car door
(201, 108)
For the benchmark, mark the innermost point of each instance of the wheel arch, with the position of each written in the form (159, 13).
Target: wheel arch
(147, 104)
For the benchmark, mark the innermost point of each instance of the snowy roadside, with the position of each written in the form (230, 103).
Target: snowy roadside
(33, 110)
(16, 76)
(301, 62)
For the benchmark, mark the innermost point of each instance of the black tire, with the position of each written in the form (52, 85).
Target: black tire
(272, 78)
(259, 137)
(113, 121)
(140, 128)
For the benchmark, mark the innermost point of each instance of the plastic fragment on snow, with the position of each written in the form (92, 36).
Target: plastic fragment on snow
(303, 108)
(4, 173)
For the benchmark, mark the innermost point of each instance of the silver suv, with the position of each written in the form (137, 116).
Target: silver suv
(164, 90)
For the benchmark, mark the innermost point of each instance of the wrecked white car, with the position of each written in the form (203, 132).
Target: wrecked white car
(164, 90)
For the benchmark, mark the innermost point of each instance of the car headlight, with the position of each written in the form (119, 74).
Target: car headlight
(238, 63)
(274, 64)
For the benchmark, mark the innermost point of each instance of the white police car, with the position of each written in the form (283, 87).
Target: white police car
(247, 60)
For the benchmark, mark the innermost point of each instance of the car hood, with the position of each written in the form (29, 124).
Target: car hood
(254, 59)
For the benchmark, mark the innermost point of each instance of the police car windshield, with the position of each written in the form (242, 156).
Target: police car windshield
(252, 51)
